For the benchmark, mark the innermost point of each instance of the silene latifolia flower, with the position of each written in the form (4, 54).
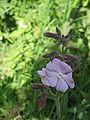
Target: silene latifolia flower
(57, 74)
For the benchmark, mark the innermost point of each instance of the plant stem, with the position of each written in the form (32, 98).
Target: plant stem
(51, 92)
(58, 108)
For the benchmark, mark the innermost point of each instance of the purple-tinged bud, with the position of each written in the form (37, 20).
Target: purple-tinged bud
(51, 35)
(48, 55)
(58, 31)
(70, 57)
(72, 61)
(53, 55)
(64, 40)
(59, 57)
(41, 102)
(37, 86)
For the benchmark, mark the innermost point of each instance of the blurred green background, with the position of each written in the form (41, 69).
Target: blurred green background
(22, 44)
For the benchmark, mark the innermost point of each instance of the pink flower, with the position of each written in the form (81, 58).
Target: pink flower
(57, 74)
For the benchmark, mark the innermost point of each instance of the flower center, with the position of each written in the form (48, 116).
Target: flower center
(60, 75)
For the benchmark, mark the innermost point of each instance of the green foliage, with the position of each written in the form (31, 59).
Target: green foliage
(22, 44)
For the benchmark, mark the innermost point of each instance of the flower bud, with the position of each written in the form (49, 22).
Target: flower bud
(53, 55)
(51, 35)
(64, 40)
(48, 55)
(41, 102)
(69, 57)
(36, 86)
(72, 61)
(58, 31)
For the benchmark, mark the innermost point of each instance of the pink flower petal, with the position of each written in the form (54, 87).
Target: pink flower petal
(45, 81)
(69, 80)
(62, 85)
(52, 78)
(52, 81)
(57, 64)
(51, 73)
(41, 72)
(51, 67)
(61, 66)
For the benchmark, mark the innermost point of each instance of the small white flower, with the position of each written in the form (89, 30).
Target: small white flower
(25, 26)
(20, 23)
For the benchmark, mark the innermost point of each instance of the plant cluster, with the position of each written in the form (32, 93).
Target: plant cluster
(22, 45)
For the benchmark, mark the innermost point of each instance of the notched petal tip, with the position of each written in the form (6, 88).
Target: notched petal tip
(69, 80)
(73, 85)
(41, 72)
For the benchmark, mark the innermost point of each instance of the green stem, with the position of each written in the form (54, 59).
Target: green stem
(58, 108)
(51, 92)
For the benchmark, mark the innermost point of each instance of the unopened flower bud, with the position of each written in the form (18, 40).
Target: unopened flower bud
(41, 102)
(53, 55)
(58, 31)
(48, 55)
(72, 61)
(69, 57)
(51, 35)
(36, 86)
(64, 40)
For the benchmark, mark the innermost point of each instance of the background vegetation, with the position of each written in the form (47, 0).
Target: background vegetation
(22, 44)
